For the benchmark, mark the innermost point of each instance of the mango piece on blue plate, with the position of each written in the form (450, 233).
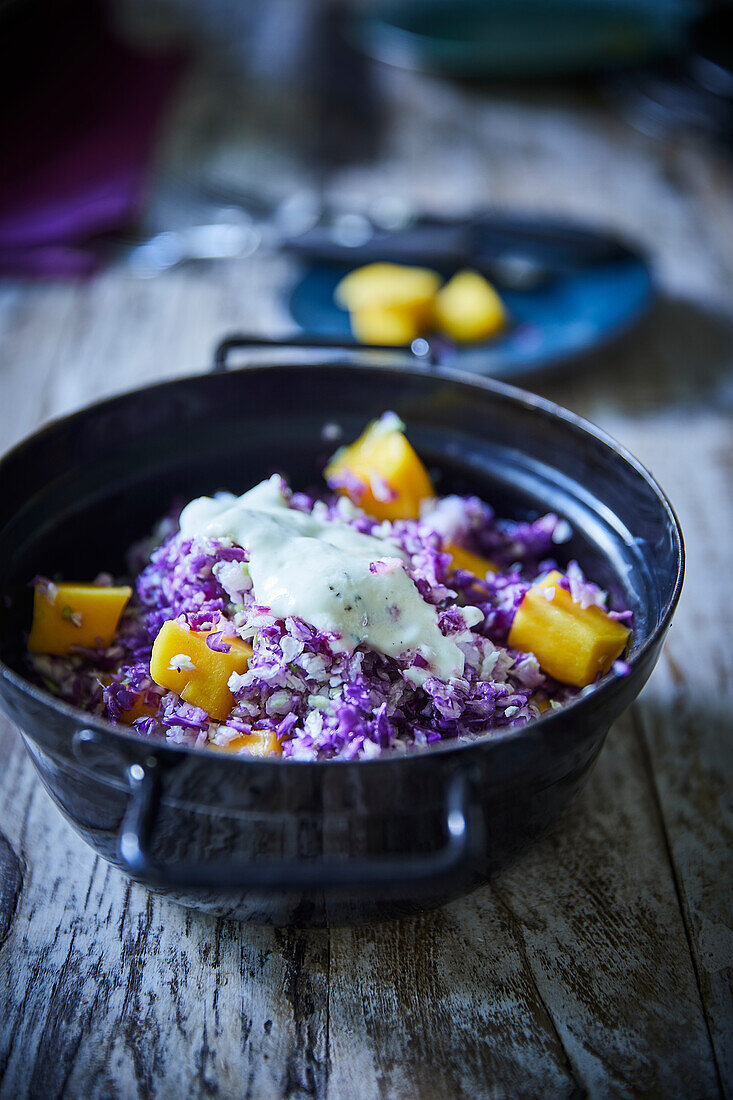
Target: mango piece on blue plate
(396, 286)
(388, 303)
(381, 473)
(573, 644)
(68, 615)
(382, 325)
(468, 309)
(182, 661)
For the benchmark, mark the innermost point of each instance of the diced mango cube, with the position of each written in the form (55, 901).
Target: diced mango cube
(395, 286)
(472, 563)
(139, 709)
(183, 662)
(468, 309)
(257, 743)
(67, 615)
(382, 325)
(573, 644)
(382, 474)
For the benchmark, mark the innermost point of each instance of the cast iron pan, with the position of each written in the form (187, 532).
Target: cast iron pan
(285, 841)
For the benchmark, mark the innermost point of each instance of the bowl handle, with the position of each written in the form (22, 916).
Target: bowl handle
(420, 349)
(462, 849)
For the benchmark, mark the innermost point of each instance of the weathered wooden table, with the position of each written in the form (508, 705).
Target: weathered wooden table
(600, 964)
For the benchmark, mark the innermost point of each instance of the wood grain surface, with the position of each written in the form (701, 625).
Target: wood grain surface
(601, 964)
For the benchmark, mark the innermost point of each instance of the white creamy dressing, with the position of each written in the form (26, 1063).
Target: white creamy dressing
(319, 570)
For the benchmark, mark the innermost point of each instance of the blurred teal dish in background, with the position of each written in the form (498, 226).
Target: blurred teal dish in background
(523, 38)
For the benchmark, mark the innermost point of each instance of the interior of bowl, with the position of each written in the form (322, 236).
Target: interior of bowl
(76, 495)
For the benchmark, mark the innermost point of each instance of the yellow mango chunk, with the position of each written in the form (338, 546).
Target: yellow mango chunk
(572, 644)
(382, 325)
(139, 709)
(392, 480)
(472, 563)
(257, 743)
(183, 662)
(395, 286)
(67, 615)
(388, 303)
(468, 308)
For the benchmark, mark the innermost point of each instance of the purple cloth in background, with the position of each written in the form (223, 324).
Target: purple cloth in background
(78, 130)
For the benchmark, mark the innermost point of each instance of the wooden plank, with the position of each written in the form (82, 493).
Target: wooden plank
(686, 722)
(11, 885)
(570, 976)
(441, 1005)
(82, 343)
(608, 942)
(33, 328)
(108, 990)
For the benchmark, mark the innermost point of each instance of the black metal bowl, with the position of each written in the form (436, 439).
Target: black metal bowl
(299, 842)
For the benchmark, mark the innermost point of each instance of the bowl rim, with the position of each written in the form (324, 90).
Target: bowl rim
(548, 721)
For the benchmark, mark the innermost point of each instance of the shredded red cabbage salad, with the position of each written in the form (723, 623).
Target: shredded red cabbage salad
(323, 703)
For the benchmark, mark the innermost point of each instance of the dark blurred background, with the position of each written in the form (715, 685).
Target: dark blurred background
(181, 151)
(142, 115)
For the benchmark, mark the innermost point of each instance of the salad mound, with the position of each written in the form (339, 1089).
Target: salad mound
(376, 618)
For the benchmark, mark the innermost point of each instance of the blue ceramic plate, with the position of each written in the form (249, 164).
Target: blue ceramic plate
(561, 321)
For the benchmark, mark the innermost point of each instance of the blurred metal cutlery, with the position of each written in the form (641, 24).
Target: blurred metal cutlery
(514, 251)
